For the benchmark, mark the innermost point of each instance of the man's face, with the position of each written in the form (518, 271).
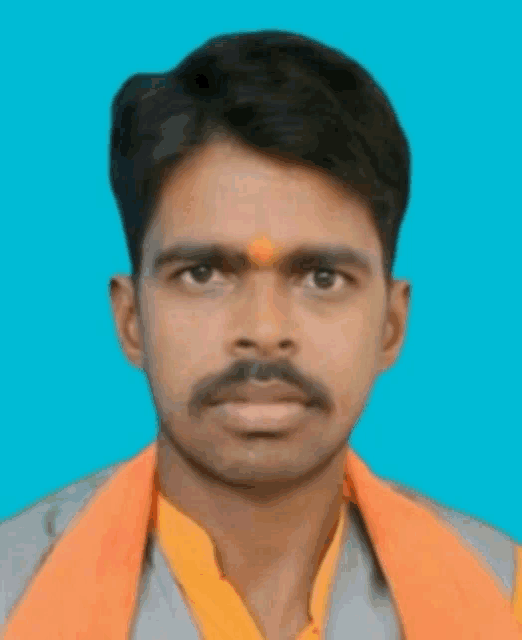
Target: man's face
(199, 332)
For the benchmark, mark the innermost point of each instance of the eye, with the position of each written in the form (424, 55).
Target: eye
(199, 274)
(328, 280)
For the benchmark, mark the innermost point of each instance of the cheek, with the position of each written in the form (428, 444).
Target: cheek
(346, 351)
(181, 345)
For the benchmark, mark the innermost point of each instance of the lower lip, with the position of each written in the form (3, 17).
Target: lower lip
(274, 416)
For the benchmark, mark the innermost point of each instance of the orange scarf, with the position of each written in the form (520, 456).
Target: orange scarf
(87, 587)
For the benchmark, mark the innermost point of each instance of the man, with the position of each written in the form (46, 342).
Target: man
(261, 184)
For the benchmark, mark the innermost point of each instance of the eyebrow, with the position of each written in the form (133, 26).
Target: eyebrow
(326, 256)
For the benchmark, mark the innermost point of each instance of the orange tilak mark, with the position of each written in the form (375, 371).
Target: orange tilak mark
(261, 250)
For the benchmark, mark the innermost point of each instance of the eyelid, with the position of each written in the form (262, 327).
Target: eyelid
(181, 270)
(220, 264)
(216, 263)
(345, 273)
(348, 277)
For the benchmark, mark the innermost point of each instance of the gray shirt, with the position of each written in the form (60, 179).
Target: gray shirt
(361, 601)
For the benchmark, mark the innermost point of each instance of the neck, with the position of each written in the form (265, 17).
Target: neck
(259, 542)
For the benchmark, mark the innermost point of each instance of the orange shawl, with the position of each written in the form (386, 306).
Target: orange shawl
(87, 587)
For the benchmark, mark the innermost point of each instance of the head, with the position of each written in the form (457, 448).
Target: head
(261, 185)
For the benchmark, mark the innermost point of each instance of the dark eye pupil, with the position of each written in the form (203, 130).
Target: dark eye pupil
(322, 278)
(201, 272)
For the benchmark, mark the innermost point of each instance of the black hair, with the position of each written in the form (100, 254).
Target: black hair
(278, 92)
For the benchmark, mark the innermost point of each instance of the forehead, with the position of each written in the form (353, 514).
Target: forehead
(230, 194)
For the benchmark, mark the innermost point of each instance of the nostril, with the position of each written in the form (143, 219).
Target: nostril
(244, 343)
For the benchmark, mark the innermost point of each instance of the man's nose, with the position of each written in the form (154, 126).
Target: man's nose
(265, 324)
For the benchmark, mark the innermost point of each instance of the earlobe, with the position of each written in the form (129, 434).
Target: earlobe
(395, 329)
(126, 318)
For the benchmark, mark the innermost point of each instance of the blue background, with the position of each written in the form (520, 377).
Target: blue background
(446, 419)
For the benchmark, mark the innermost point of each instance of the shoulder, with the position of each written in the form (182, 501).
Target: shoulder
(27, 537)
(495, 546)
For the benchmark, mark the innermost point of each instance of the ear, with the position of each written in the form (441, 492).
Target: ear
(125, 312)
(395, 322)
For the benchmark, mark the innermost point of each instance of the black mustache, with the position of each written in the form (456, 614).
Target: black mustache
(240, 372)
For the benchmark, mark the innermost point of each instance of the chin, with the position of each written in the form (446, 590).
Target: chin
(261, 465)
